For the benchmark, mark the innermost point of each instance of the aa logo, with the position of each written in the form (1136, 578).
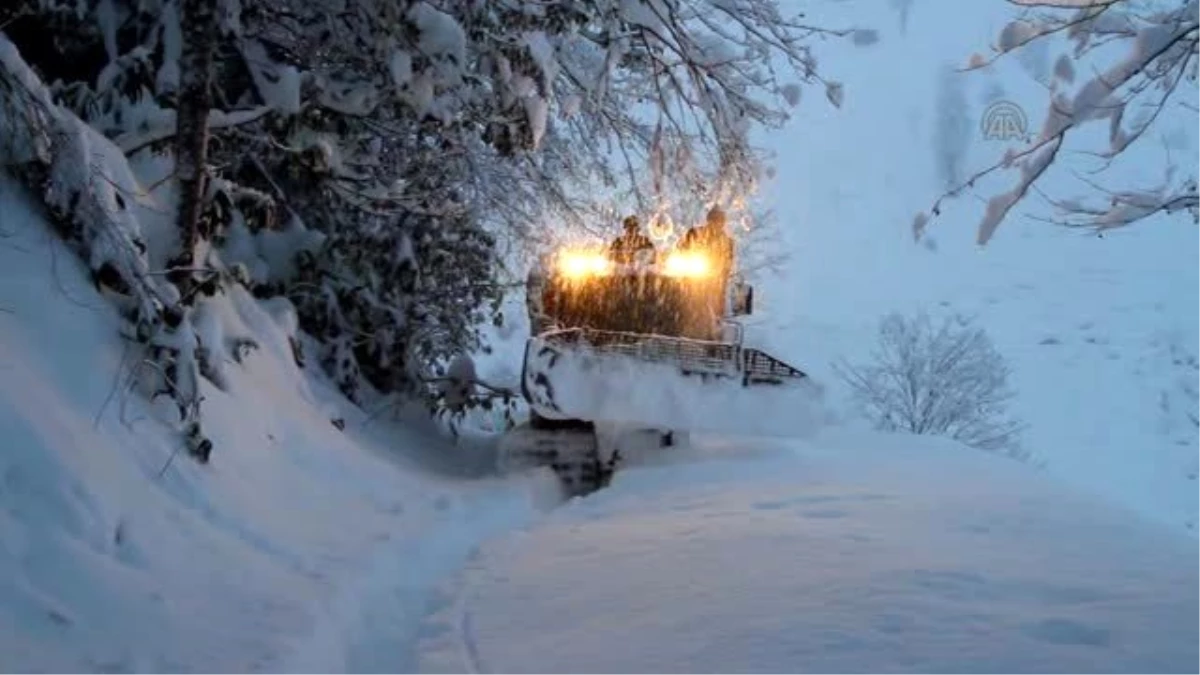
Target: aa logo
(661, 226)
(1004, 121)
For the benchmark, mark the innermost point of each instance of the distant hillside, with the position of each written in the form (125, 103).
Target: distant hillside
(1101, 332)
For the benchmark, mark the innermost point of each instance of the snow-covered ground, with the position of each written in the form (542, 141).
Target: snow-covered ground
(850, 553)
(305, 547)
(298, 547)
(1101, 333)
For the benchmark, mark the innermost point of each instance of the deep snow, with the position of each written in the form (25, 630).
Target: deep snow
(1102, 333)
(302, 547)
(849, 553)
(290, 551)
(592, 384)
(305, 548)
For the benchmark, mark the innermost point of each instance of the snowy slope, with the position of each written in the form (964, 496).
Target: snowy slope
(305, 548)
(855, 553)
(276, 556)
(1101, 333)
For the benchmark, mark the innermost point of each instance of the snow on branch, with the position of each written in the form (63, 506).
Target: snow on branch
(420, 138)
(1123, 208)
(672, 88)
(132, 142)
(1130, 92)
(81, 176)
(87, 186)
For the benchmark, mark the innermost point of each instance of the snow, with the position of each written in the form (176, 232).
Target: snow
(999, 206)
(643, 13)
(160, 125)
(440, 39)
(607, 388)
(835, 92)
(121, 553)
(167, 79)
(278, 248)
(17, 144)
(791, 93)
(523, 86)
(277, 84)
(90, 183)
(348, 98)
(864, 37)
(321, 538)
(459, 381)
(302, 548)
(106, 16)
(1084, 322)
(537, 110)
(400, 68)
(853, 553)
(421, 95)
(1017, 33)
(1064, 69)
(172, 32)
(570, 105)
(543, 55)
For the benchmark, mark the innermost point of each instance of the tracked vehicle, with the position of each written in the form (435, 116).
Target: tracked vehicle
(629, 346)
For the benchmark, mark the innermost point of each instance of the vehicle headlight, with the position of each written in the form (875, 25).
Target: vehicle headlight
(687, 264)
(583, 264)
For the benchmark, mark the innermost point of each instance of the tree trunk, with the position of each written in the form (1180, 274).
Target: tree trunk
(194, 99)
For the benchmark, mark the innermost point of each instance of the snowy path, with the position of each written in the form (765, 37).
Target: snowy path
(877, 555)
(373, 624)
(300, 546)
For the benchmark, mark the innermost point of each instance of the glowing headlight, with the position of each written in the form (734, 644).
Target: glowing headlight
(686, 264)
(581, 264)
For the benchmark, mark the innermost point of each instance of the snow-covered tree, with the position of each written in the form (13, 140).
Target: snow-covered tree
(1131, 65)
(943, 379)
(377, 161)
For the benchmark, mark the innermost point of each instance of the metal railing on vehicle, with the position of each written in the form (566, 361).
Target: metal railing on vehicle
(700, 357)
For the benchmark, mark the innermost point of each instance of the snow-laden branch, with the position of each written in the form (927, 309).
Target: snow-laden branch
(1159, 57)
(425, 140)
(83, 179)
(132, 142)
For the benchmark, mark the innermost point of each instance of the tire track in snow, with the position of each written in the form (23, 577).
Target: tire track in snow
(373, 624)
(466, 636)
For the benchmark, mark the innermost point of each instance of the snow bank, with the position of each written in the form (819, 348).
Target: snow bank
(117, 554)
(869, 554)
(585, 384)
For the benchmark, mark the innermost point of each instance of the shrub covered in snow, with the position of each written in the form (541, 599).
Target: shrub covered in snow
(943, 379)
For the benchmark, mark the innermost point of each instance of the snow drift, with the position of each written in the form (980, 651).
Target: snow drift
(863, 553)
(300, 547)
(580, 382)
